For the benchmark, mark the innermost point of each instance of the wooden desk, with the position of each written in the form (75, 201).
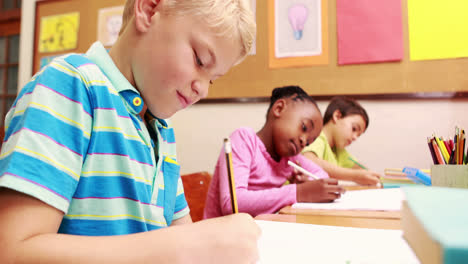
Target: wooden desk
(351, 213)
(352, 218)
(360, 187)
(333, 220)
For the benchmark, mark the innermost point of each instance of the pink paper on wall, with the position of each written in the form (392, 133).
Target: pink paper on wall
(369, 31)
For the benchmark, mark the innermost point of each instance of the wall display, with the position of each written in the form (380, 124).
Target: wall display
(319, 75)
(298, 28)
(369, 31)
(438, 30)
(59, 32)
(109, 23)
(298, 33)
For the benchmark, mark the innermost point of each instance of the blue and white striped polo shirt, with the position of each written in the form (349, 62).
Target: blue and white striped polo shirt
(74, 140)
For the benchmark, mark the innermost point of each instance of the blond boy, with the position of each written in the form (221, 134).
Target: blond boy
(88, 175)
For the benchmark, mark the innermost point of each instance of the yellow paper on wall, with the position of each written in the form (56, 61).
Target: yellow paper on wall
(59, 32)
(438, 29)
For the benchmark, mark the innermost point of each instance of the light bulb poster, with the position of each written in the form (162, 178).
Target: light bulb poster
(109, 23)
(298, 28)
(59, 32)
(298, 33)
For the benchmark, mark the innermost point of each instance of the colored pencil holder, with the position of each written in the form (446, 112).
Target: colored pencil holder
(450, 176)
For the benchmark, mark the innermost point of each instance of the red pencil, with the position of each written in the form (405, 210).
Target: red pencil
(447, 145)
(437, 152)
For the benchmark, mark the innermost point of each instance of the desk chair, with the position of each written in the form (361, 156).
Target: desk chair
(196, 188)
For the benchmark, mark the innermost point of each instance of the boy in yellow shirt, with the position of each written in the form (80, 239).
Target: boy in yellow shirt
(344, 121)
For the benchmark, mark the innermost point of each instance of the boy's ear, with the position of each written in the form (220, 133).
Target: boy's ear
(337, 115)
(278, 107)
(144, 11)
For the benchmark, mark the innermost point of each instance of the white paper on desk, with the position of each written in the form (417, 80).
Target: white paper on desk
(282, 242)
(372, 200)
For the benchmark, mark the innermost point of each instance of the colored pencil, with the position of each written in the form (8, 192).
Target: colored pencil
(431, 149)
(440, 159)
(230, 170)
(357, 163)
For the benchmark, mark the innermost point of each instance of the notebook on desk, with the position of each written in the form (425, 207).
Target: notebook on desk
(368, 200)
(305, 243)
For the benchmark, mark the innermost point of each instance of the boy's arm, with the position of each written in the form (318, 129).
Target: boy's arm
(28, 234)
(361, 176)
(183, 220)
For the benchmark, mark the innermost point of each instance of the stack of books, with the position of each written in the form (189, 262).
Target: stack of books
(435, 223)
(394, 177)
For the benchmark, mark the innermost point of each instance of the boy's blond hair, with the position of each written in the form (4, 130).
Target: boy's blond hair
(229, 18)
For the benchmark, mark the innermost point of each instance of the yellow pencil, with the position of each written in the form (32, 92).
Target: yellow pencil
(443, 149)
(230, 170)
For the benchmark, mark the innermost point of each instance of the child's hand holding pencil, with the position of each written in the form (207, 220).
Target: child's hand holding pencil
(232, 239)
(313, 189)
(319, 191)
(364, 176)
(299, 174)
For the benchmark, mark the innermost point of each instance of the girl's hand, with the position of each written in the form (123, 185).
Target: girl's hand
(297, 176)
(365, 177)
(323, 190)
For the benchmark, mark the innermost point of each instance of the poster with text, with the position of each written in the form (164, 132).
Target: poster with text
(59, 32)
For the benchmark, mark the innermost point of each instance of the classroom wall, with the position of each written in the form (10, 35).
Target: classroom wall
(396, 136)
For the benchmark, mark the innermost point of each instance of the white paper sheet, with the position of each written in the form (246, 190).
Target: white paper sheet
(305, 243)
(372, 200)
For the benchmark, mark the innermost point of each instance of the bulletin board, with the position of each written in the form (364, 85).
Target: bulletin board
(254, 79)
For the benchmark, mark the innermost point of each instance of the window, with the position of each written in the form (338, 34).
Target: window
(10, 15)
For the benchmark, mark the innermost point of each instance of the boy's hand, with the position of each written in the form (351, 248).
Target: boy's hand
(365, 177)
(319, 191)
(228, 239)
